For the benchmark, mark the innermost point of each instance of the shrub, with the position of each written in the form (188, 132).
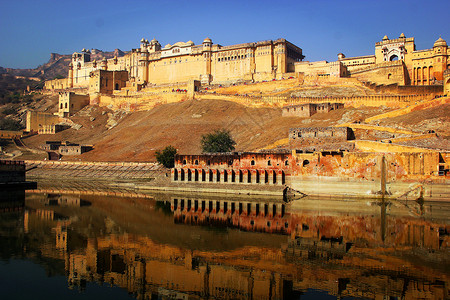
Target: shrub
(217, 141)
(167, 156)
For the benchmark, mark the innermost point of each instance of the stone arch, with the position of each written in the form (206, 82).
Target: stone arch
(393, 57)
(425, 75)
(211, 175)
(274, 174)
(195, 175)
(182, 175)
(419, 75)
(249, 176)
(175, 174)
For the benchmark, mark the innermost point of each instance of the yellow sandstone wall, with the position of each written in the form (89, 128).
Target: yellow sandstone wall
(36, 120)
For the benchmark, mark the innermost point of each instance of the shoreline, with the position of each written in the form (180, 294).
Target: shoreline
(152, 177)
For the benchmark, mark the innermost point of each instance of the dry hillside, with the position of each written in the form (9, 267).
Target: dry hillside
(136, 136)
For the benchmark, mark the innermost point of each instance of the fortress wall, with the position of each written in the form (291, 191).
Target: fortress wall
(136, 103)
(57, 84)
(371, 146)
(409, 89)
(384, 73)
(280, 101)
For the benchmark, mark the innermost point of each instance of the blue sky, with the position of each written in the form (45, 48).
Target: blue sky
(30, 30)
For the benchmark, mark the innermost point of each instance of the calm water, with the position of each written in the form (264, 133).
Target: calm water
(60, 245)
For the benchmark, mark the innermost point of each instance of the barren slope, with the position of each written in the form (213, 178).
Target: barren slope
(136, 136)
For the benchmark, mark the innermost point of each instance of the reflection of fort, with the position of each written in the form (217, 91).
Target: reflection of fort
(246, 215)
(345, 255)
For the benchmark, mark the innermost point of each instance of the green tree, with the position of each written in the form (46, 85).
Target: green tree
(167, 156)
(218, 141)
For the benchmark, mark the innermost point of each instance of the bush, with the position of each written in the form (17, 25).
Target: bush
(218, 141)
(167, 156)
(10, 124)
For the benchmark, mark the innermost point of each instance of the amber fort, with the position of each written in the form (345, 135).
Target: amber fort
(143, 74)
(400, 79)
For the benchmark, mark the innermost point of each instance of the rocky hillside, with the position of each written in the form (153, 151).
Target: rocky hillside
(58, 65)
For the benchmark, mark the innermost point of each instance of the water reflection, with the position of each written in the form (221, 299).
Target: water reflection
(188, 246)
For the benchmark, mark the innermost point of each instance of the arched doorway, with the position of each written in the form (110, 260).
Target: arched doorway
(393, 57)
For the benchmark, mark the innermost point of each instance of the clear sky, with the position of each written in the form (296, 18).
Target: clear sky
(32, 29)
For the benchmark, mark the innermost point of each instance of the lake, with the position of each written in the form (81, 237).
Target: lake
(88, 241)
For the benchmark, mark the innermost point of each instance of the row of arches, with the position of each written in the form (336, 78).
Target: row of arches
(229, 176)
(208, 207)
(423, 75)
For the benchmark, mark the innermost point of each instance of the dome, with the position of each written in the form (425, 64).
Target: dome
(154, 41)
(142, 40)
(207, 40)
(385, 38)
(402, 35)
(440, 42)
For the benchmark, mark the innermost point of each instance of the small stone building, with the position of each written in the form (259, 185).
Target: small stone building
(301, 137)
(306, 110)
(106, 82)
(70, 103)
(66, 148)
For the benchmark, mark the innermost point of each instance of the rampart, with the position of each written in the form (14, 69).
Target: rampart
(395, 101)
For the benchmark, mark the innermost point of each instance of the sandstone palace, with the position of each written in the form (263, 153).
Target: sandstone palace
(395, 61)
(181, 62)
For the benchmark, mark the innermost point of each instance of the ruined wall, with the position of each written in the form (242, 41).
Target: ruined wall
(301, 137)
(36, 120)
(309, 109)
